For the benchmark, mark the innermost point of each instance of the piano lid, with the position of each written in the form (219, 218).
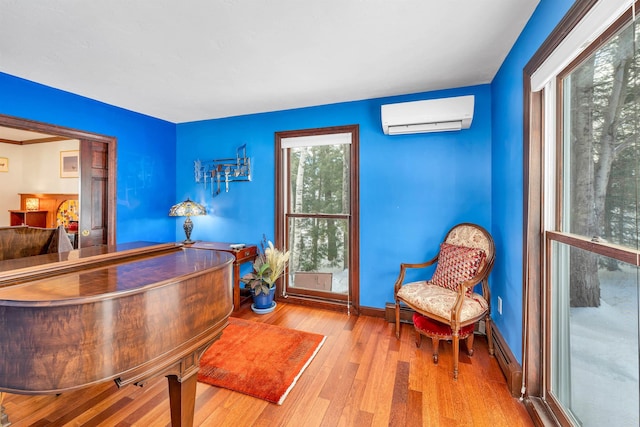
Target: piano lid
(131, 275)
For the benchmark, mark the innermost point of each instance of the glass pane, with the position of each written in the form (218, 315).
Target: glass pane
(601, 153)
(594, 359)
(319, 254)
(319, 179)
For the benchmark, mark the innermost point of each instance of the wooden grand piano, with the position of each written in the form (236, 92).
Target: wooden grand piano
(125, 313)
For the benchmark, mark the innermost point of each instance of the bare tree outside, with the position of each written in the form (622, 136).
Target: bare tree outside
(601, 131)
(319, 193)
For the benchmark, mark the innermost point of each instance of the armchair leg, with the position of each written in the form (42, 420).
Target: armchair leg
(487, 324)
(436, 344)
(397, 319)
(456, 349)
(470, 344)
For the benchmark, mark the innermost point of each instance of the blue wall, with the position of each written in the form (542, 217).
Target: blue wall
(507, 180)
(413, 188)
(145, 151)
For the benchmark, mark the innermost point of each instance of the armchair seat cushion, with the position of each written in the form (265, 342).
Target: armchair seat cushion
(439, 301)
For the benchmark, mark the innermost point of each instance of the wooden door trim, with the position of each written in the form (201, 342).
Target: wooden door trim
(535, 315)
(70, 133)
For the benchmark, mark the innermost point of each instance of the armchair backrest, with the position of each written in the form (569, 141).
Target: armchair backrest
(472, 236)
(467, 252)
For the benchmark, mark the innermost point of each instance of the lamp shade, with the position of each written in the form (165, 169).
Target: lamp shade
(187, 208)
(32, 203)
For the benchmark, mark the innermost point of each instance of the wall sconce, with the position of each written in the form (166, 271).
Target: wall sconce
(188, 209)
(227, 170)
(32, 203)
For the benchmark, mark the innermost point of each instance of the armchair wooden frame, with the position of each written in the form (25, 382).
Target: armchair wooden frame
(455, 320)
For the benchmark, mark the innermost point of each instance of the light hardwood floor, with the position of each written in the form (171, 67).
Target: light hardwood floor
(362, 376)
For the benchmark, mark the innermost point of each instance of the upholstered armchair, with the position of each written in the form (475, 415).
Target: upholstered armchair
(447, 301)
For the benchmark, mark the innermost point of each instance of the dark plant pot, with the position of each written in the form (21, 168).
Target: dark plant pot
(262, 300)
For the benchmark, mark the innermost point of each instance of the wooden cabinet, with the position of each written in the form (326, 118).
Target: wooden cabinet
(247, 253)
(30, 218)
(49, 203)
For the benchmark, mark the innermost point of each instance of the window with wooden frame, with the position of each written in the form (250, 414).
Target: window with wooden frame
(317, 215)
(582, 202)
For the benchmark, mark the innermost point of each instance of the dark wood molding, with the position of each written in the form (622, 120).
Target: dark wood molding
(372, 312)
(578, 11)
(540, 413)
(86, 139)
(34, 141)
(533, 199)
(43, 140)
(41, 127)
(354, 250)
(532, 242)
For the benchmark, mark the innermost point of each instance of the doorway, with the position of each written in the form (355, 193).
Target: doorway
(97, 192)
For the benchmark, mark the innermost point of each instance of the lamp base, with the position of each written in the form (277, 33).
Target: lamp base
(188, 227)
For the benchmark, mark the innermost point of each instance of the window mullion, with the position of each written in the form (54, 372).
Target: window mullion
(619, 252)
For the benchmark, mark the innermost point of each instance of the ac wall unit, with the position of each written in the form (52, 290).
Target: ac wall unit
(432, 115)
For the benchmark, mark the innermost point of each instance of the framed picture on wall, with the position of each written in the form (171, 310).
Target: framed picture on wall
(69, 164)
(4, 164)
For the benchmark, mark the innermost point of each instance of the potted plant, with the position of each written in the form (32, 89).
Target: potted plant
(268, 267)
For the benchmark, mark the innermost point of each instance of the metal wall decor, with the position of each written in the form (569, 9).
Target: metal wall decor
(217, 171)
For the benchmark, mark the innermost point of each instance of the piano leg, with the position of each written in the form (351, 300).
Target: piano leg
(182, 398)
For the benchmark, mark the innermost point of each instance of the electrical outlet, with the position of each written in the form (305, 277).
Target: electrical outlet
(499, 305)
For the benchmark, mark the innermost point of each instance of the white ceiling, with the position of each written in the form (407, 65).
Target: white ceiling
(187, 60)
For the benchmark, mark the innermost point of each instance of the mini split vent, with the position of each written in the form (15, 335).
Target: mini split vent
(432, 115)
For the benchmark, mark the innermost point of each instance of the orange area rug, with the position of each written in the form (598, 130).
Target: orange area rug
(258, 359)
